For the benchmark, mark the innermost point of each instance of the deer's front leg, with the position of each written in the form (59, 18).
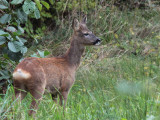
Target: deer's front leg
(65, 88)
(63, 97)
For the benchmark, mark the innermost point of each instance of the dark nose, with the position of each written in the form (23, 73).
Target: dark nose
(98, 40)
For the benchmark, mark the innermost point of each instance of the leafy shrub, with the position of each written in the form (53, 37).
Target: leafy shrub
(14, 15)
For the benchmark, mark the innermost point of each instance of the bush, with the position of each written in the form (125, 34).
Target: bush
(14, 15)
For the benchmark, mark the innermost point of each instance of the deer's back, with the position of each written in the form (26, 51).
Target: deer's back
(53, 73)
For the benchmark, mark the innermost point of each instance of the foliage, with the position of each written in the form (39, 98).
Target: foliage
(41, 54)
(12, 34)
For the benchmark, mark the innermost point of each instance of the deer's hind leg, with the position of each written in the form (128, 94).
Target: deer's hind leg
(37, 94)
(20, 90)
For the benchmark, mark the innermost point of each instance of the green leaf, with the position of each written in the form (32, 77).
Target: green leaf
(11, 29)
(23, 50)
(46, 14)
(5, 18)
(9, 37)
(15, 2)
(17, 33)
(4, 3)
(36, 13)
(2, 33)
(21, 40)
(46, 53)
(28, 6)
(34, 55)
(2, 40)
(38, 4)
(21, 29)
(22, 16)
(3, 7)
(41, 53)
(45, 4)
(14, 46)
(51, 1)
(4, 74)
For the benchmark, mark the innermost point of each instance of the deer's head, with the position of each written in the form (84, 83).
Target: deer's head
(83, 34)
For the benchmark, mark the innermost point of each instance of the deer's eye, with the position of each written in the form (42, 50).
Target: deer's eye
(85, 34)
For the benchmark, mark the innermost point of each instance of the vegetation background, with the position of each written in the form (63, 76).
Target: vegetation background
(118, 80)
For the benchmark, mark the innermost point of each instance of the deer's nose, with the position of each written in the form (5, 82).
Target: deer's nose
(98, 40)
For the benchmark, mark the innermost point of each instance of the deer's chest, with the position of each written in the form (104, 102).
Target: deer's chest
(59, 82)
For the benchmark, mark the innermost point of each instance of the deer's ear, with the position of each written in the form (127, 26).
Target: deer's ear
(75, 24)
(84, 20)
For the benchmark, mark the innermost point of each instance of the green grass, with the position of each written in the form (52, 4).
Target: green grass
(113, 89)
(117, 81)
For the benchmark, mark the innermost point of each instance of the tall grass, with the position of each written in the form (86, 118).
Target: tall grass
(115, 89)
(119, 80)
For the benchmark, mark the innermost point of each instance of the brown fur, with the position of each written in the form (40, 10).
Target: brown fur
(56, 74)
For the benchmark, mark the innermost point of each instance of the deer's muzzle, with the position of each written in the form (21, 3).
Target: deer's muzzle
(97, 42)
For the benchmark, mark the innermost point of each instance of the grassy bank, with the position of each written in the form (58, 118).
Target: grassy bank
(119, 80)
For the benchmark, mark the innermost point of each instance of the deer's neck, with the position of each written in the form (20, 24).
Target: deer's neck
(74, 53)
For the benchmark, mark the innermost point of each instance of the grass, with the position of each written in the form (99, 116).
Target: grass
(119, 80)
(114, 89)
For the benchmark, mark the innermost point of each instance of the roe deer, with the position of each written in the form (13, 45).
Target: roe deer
(56, 74)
